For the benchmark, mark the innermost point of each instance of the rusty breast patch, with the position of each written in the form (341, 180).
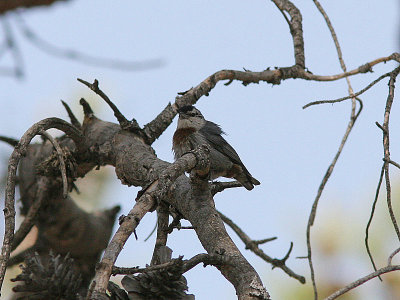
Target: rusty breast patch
(181, 135)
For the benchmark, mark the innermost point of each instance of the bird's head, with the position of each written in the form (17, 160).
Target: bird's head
(190, 117)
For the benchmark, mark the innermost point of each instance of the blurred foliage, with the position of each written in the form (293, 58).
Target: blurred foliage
(339, 254)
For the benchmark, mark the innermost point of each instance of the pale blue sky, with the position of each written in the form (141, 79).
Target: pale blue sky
(288, 149)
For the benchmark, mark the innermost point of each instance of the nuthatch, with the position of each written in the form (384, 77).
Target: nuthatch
(193, 131)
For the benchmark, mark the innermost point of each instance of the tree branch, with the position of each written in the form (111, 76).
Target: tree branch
(19, 151)
(385, 131)
(60, 156)
(296, 30)
(363, 280)
(188, 264)
(371, 217)
(350, 125)
(253, 246)
(154, 193)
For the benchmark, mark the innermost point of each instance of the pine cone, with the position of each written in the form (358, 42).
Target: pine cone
(55, 279)
(166, 284)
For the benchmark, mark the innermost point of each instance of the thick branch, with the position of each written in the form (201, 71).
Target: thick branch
(162, 234)
(146, 202)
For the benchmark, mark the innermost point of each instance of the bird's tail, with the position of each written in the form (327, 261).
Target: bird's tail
(254, 181)
(247, 181)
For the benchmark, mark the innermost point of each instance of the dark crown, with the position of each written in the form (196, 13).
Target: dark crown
(185, 109)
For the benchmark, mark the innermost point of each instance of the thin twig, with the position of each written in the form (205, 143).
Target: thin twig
(362, 280)
(29, 219)
(74, 120)
(151, 233)
(353, 118)
(350, 96)
(13, 47)
(385, 126)
(392, 255)
(60, 156)
(74, 55)
(251, 245)
(263, 241)
(125, 124)
(187, 264)
(11, 141)
(371, 217)
(394, 164)
(360, 70)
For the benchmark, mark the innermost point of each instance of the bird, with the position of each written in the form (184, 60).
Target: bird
(194, 130)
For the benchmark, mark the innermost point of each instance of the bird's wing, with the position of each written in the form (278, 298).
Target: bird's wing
(212, 132)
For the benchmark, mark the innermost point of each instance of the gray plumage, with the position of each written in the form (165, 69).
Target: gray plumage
(193, 130)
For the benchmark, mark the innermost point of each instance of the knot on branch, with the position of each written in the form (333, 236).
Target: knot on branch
(281, 262)
(294, 72)
(365, 68)
(395, 56)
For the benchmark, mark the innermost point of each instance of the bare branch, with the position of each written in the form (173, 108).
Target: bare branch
(19, 151)
(74, 120)
(128, 224)
(74, 55)
(371, 217)
(28, 222)
(296, 29)
(188, 264)
(362, 280)
(353, 119)
(11, 141)
(350, 96)
(385, 126)
(394, 164)
(392, 255)
(12, 46)
(218, 186)
(162, 235)
(125, 124)
(60, 156)
(156, 127)
(263, 241)
(253, 246)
